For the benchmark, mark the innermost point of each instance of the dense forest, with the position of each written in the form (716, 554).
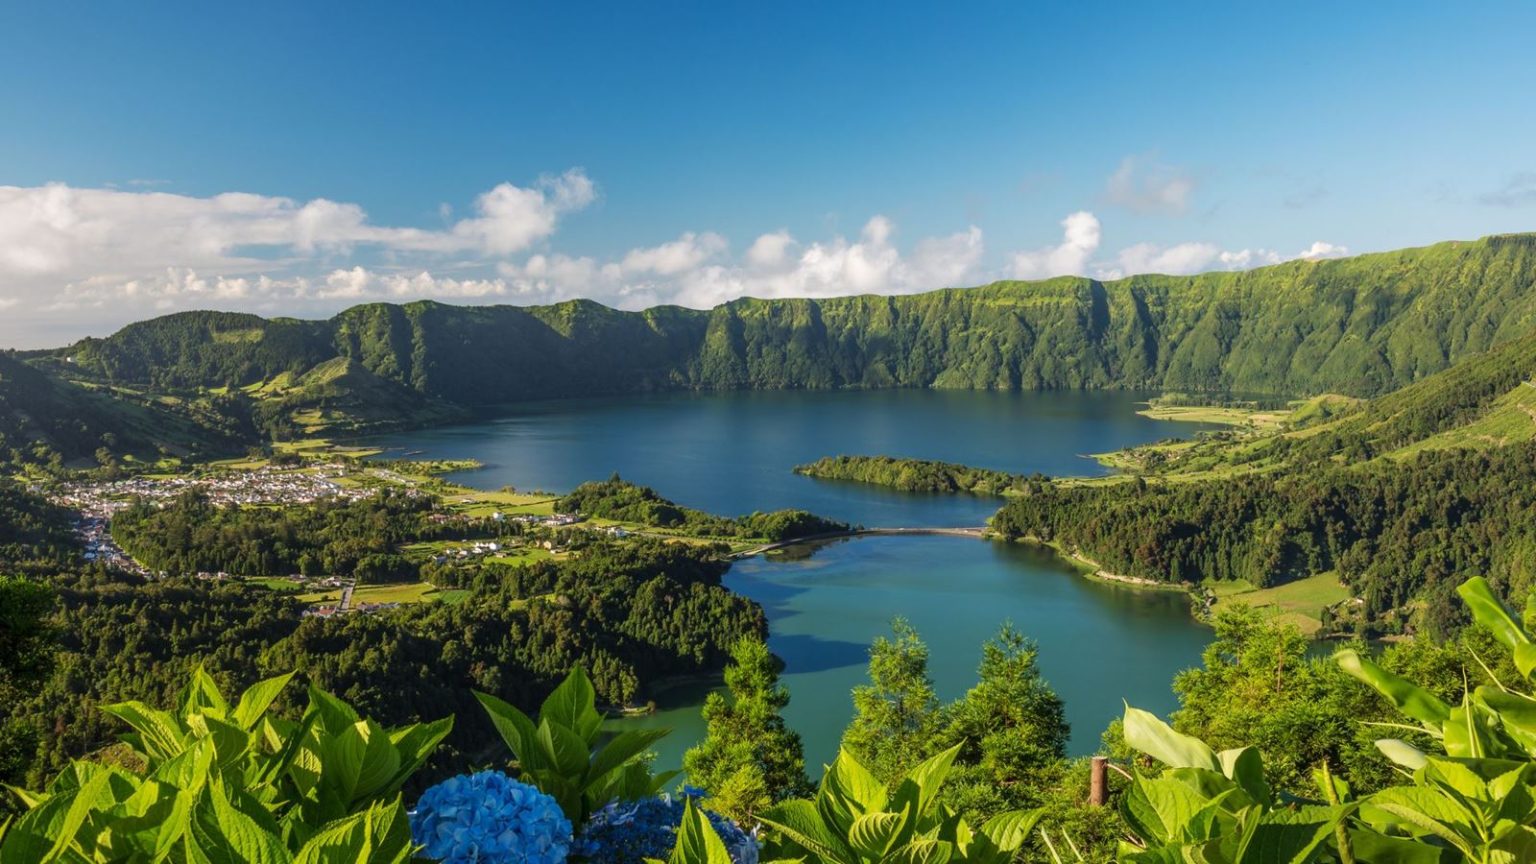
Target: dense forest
(914, 475)
(355, 539)
(632, 613)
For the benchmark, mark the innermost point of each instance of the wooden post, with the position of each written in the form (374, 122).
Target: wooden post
(1098, 782)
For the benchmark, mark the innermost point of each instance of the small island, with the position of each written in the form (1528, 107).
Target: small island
(918, 475)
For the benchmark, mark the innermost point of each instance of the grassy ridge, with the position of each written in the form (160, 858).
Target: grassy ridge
(1359, 326)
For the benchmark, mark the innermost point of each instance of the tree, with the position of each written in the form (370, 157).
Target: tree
(26, 657)
(1011, 728)
(896, 714)
(749, 758)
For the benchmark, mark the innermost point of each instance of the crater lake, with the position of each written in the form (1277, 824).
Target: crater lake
(733, 453)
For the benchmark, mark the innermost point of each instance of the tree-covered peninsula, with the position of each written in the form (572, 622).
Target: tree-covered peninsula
(914, 475)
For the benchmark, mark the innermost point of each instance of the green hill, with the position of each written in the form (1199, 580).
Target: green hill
(1357, 326)
(1401, 497)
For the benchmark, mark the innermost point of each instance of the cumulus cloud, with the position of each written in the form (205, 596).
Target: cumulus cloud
(1080, 240)
(1197, 257)
(1144, 185)
(68, 233)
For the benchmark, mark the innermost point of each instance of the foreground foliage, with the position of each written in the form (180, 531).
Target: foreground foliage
(233, 782)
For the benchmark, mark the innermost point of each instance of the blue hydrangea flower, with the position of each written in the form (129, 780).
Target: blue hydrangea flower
(628, 832)
(490, 818)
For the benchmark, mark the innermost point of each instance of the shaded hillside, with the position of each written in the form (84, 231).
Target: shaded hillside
(45, 418)
(1403, 497)
(1358, 326)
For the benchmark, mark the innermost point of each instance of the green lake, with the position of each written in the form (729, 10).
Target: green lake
(732, 453)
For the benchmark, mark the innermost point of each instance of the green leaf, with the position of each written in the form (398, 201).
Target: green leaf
(380, 834)
(873, 834)
(563, 748)
(802, 825)
(922, 850)
(335, 715)
(1145, 732)
(226, 834)
(515, 728)
(1491, 615)
(202, 696)
(255, 701)
(624, 747)
(1245, 767)
(573, 705)
(697, 842)
(1371, 847)
(929, 776)
(158, 737)
(1411, 699)
(1161, 809)
(1009, 830)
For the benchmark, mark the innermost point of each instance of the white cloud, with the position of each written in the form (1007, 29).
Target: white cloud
(1080, 240)
(1186, 258)
(1144, 185)
(69, 234)
(1322, 249)
(685, 253)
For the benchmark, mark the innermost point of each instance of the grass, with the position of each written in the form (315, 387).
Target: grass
(1216, 414)
(409, 592)
(1299, 602)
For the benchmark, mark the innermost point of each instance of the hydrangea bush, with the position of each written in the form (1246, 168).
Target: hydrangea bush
(490, 818)
(629, 832)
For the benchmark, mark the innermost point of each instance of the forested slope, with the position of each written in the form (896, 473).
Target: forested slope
(1402, 496)
(1361, 326)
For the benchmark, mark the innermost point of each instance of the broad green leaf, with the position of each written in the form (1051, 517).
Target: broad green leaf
(697, 841)
(572, 705)
(1411, 699)
(922, 850)
(381, 761)
(1491, 615)
(1421, 811)
(563, 748)
(515, 728)
(158, 737)
(202, 696)
(1371, 847)
(1245, 767)
(873, 834)
(1145, 732)
(624, 747)
(255, 701)
(415, 744)
(1009, 830)
(802, 825)
(1161, 808)
(227, 834)
(335, 715)
(929, 776)
(1293, 836)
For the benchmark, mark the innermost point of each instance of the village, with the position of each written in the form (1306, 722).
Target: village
(525, 529)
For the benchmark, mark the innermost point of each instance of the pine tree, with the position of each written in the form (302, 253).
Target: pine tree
(896, 714)
(1013, 727)
(749, 759)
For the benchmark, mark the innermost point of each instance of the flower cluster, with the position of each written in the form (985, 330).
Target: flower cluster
(628, 832)
(490, 818)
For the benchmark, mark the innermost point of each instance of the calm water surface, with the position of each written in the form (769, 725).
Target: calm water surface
(732, 454)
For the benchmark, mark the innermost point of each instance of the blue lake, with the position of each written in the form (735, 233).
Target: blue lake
(732, 453)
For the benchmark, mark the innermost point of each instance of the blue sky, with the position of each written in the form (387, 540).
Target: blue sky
(881, 147)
